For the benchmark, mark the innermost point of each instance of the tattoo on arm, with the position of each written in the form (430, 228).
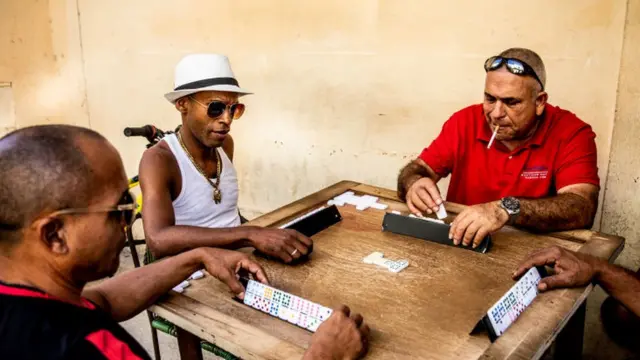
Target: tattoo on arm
(408, 175)
(562, 212)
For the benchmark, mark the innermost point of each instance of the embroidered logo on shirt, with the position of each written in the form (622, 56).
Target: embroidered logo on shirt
(535, 173)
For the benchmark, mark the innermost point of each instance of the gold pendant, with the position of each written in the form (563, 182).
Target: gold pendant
(217, 196)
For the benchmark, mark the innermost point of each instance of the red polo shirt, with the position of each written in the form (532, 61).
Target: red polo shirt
(562, 152)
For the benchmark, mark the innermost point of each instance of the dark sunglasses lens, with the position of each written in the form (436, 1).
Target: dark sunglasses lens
(515, 66)
(493, 63)
(236, 111)
(216, 109)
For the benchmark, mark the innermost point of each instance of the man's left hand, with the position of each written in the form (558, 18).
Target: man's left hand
(228, 265)
(476, 222)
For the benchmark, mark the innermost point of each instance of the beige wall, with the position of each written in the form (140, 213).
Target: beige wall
(40, 56)
(344, 90)
(622, 198)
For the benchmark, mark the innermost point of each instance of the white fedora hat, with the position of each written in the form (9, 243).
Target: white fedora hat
(203, 72)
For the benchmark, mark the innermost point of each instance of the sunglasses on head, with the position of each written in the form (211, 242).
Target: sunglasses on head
(215, 109)
(514, 66)
(126, 207)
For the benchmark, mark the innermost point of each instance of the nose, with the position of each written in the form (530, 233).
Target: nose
(226, 117)
(498, 110)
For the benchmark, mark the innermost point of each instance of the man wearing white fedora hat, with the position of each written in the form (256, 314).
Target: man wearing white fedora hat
(189, 184)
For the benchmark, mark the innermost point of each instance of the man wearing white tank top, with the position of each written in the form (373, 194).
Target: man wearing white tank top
(189, 184)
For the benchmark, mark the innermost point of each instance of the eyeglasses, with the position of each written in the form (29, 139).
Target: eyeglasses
(215, 109)
(126, 209)
(515, 66)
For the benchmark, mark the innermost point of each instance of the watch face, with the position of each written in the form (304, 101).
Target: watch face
(511, 204)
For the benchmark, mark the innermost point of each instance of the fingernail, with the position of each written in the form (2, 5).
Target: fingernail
(450, 237)
(542, 287)
(241, 296)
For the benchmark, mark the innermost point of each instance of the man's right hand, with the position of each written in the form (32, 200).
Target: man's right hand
(423, 196)
(340, 337)
(571, 269)
(285, 244)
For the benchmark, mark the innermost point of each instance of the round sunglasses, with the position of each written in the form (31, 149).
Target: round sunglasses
(215, 109)
(514, 66)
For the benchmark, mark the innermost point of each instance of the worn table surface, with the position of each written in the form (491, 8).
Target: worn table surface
(425, 311)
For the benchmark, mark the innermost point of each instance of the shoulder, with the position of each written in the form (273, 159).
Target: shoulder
(565, 124)
(158, 160)
(465, 121)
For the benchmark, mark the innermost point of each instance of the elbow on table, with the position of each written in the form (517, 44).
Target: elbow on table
(157, 247)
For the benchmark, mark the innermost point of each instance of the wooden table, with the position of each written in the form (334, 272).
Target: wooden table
(426, 311)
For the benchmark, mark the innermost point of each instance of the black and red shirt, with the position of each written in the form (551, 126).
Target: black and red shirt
(35, 325)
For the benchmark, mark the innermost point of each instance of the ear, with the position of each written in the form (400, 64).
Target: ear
(52, 233)
(541, 101)
(182, 105)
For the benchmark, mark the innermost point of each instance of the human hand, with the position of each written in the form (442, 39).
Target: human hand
(476, 222)
(340, 337)
(227, 265)
(423, 196)
(285, 244)
(571, 269)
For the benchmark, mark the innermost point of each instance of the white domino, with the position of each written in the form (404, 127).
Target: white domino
(379, 206)
(360, 202)
(442, 212)
(180, 287)
(377, 258)
(196, 275)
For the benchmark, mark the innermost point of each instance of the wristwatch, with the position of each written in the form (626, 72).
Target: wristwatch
(512, 206)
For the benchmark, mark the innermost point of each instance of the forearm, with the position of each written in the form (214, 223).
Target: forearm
(620, 283)
(175, 239)
(411, 173)
(562, 212)
(127, 294)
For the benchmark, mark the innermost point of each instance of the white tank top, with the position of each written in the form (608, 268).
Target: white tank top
(195, 206)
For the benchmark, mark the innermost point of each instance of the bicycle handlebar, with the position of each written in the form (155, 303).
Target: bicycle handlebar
(147, 131)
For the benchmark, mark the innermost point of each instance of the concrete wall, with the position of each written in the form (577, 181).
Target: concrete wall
(622, 203)
(40, 56)
(344, 90)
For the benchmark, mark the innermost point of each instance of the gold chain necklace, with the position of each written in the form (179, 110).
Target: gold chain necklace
(217, 194)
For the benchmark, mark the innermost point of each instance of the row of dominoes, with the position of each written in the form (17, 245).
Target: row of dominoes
(514, 302)
(285, 306)
(360, 202)
(183, 285)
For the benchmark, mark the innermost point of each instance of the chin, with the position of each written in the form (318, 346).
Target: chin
(213, 143)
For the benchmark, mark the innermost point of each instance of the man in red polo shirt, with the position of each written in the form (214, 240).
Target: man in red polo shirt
(538, 172)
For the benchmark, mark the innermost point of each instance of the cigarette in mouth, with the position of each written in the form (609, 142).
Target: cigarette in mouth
(493, 137)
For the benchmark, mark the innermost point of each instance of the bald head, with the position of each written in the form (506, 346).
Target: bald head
(44, 168)
(531, 58)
